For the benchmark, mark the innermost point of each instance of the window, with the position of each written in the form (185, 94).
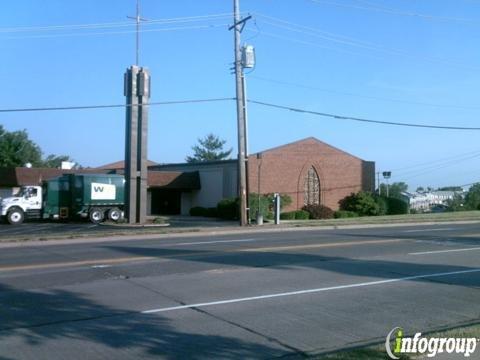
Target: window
(312, 188)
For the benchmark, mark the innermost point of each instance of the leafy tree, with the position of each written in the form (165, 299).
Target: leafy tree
(362, 203)
(450, 188)
(394, 190)
(210, 148)
(55, 161)
(472, 199)
(456, 204)
(420, 189)
(16, 149)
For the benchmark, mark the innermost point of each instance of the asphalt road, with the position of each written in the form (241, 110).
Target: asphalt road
(262, 295)
(45, 229)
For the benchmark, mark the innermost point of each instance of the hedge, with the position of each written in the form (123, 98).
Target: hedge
(318, 211)
(288, 215)
(302, 215)
(198, 211)
(341, 214)
(228, 209)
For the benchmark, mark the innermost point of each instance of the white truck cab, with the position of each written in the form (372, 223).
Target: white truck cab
(27, 202)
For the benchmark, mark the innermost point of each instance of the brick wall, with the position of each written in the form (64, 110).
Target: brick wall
(284, 169)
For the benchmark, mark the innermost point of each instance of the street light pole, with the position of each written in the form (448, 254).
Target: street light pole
(387, 175)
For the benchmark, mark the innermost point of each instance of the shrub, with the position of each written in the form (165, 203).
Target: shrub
(198, 211)
(318, 211)
(265, 208)
(302, 215)
(396, 206)
(288, 215)
(342, 214)
(228, 209)
(211, 212)
(266, 204)
(363, 203)
(382, 203)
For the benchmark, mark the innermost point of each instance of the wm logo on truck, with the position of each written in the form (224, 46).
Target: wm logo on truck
(103, 191)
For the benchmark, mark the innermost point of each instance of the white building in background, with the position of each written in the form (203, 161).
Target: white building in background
(424, 201)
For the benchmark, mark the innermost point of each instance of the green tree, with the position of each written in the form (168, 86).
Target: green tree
(472, 199)
(394, 190)
(456, 204)
(210, 148)
(55, 161)
(16, 149)
(362, 203)
(450, 188)
(420, 189)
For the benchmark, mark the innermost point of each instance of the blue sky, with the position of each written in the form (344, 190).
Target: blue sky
(393, 60)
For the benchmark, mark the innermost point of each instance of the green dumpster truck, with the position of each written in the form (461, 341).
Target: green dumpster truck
(71, 196)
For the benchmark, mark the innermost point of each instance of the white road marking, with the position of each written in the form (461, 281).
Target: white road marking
(422, 230)
(102, 266)
(211, 242)
(308, 291)
(443, 251)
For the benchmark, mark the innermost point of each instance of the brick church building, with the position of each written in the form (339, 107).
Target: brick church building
(309, 171)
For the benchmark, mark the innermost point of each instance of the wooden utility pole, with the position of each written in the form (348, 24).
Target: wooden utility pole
(242, 172)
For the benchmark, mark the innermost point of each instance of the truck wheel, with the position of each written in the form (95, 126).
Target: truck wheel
(15, 216)
(114, 214)
(96, 215)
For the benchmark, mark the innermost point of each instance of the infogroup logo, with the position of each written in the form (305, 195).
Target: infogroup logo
(429, 346)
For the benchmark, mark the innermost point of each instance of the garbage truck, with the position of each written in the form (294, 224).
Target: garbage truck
(71, 196)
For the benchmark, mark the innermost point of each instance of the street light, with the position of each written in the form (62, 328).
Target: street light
(387, 175)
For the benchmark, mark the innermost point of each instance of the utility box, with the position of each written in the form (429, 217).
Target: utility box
(248, 57)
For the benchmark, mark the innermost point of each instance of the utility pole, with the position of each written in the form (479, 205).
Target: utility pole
(241, 120)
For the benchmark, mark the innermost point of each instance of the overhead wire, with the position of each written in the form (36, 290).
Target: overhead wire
(349, 41)
(114, 24)
(178, 28)
(110, 106)
(293, 84)
(376, 8)
(357, 119)
(435, 161)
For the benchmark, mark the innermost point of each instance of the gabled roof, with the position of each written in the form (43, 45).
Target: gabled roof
(310, 139)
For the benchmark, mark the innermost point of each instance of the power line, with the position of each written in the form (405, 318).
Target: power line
(349, 41)
(286, 83)
(114, 24)
(376, 8)
(341, 117)
(282, 107)
(415, 173)
(435, 161)
(198, 27)
(87, 107)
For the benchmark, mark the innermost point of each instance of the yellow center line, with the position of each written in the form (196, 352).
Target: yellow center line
(325, 245)
(110, 261)
(76, 263)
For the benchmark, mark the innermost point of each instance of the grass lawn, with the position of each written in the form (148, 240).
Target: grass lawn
(392, 219)
(377, 352)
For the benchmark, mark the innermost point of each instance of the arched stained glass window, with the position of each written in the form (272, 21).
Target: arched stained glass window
(312, 188)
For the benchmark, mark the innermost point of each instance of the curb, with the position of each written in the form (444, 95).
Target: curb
(199, 232)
